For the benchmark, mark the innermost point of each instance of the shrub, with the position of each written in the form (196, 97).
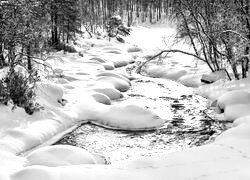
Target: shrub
(115, 28)
(19, 89)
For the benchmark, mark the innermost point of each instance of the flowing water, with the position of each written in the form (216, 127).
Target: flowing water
(186, 115)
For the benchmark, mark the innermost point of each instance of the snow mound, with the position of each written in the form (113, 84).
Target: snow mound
(134, 49)
(242, 120)
(111, 92)
(97, 59)
(111, 49)
(116, 75)
(233, 97)
(193, 80)
(101, 98)
(117, 83)
(235, 111)
(119, 60)
(61, 81)
(213, 76)
(59, 155)
(109, 66)
(128, 117)
(156, 71)
(10, 162)
(49, 93)
(176, 74)
(114, 52)
(35, 172)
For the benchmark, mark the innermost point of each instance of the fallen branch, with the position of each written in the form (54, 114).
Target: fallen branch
(150, 58)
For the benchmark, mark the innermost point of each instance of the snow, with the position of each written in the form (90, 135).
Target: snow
(59, 155)
(117, 83)
(111, 92)
(233, 97)
(89, 85)
(128, 117)
(235, 111)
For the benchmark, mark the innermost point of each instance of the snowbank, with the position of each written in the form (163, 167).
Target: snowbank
(59, 155)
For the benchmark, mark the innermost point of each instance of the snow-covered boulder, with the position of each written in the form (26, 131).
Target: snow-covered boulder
(109, 66)
(128, 117)
(117, 83)
(233, 97)
(120, 62)
(101, 98)
(134, 49)
(114, 74)
(235, 111)
(111, 92)
(213, 77)
(59, 155)
(49, 93)
(190, 80)
(156, 71)
(176, 74)
(242, 120)
(97, 59)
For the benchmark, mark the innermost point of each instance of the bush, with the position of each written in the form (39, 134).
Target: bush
(16, 87)
(115, 28)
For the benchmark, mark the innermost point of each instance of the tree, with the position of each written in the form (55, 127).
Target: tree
(115, 28)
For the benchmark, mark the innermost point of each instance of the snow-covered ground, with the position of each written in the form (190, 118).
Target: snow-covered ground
(80, 89)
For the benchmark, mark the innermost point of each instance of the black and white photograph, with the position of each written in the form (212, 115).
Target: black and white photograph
(124, 90)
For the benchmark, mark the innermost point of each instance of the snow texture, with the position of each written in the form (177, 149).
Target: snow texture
(88, 90)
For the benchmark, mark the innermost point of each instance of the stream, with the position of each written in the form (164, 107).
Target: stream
(188, 123)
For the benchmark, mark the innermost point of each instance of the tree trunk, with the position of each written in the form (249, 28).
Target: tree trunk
(29, 57)
(2, 61)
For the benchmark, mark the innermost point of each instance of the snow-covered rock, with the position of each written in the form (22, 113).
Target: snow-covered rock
(49, 93)
(235, 111)
(117, 83)
(233, 97)
(59, 155)
(128, 117)
(156, 71)
(193, 80)
(109, 66)
(213, 76)
(242, 120)
(134, 49)
(114, 74)
(97, 59)
(111, 92)
(101, 98)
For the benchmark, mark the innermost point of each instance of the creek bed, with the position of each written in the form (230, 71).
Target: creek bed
(187, 123)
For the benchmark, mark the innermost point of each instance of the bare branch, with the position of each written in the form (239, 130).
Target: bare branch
(150, 58)
(234, 32)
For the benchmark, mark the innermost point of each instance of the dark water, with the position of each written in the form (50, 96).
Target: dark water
(188, 123)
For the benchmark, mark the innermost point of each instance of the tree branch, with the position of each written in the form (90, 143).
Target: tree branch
(150, 58)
